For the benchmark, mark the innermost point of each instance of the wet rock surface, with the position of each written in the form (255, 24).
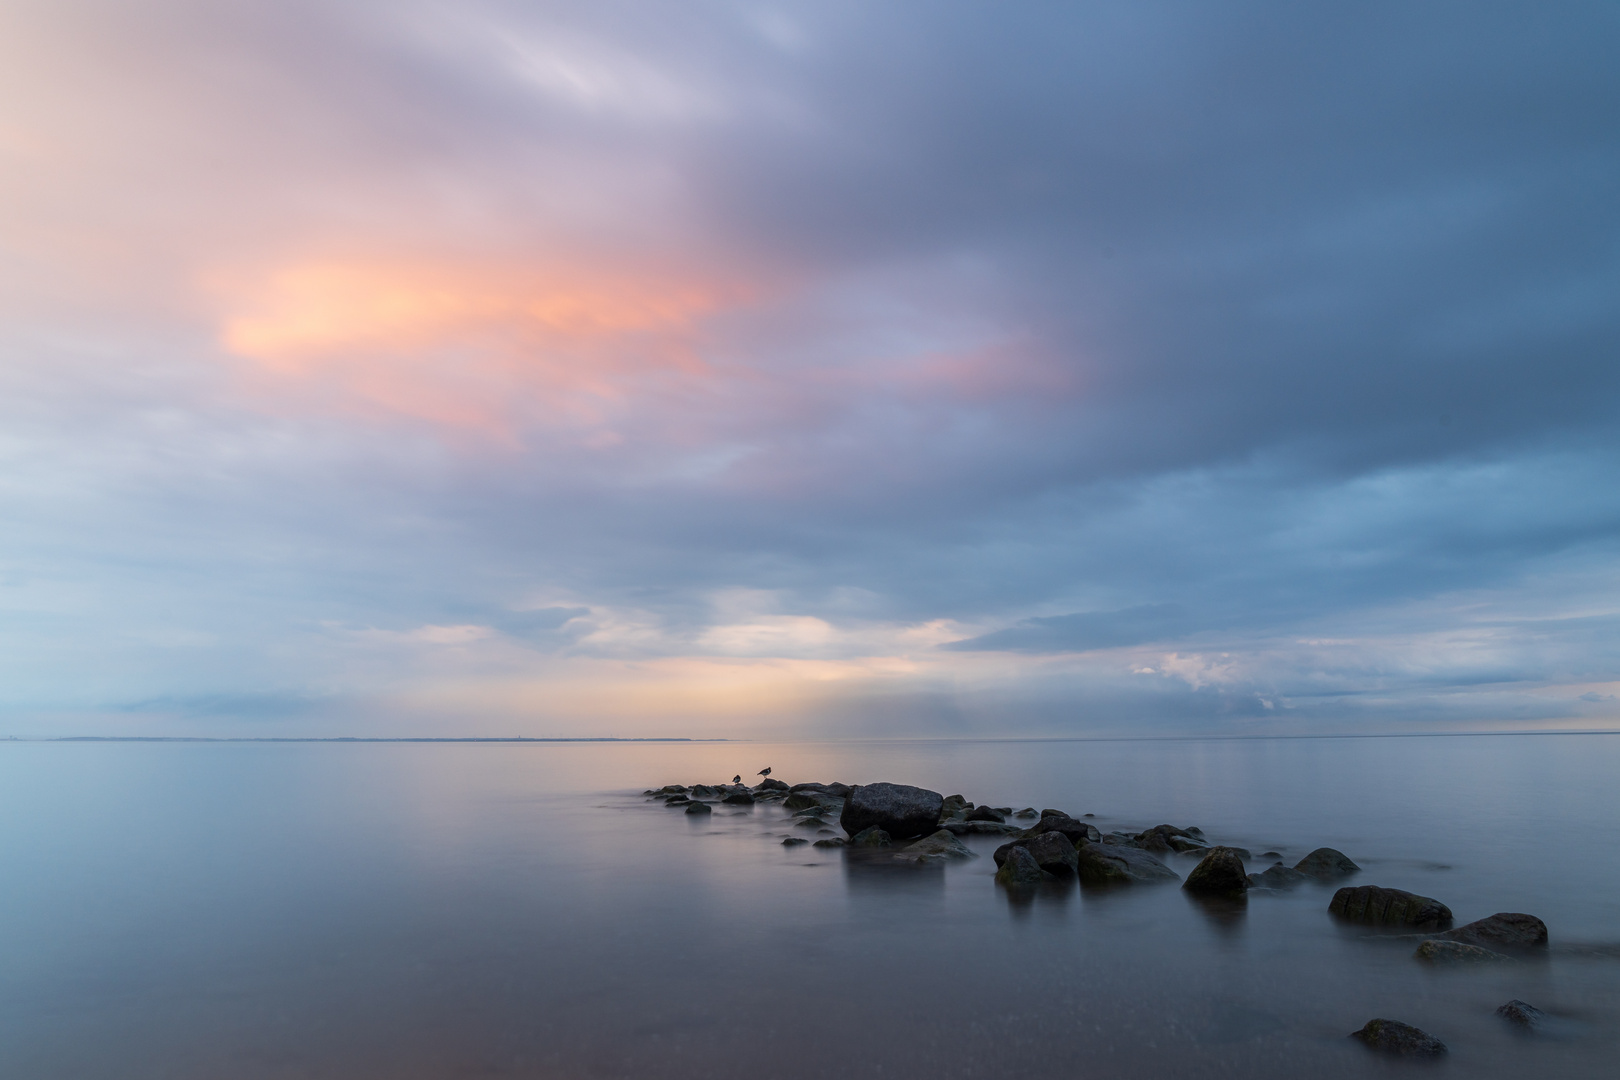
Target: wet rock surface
(1109, 864)
(1521, 1013)
(873, 837)
(1389, 907)
(699, 808)
(1326, 864)
(1398, 1039)
(1455, 954)
(1508, 930)
(939, 846)
(900, 810)
(1020, 870)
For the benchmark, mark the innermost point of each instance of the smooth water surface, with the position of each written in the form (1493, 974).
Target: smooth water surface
(406, 910)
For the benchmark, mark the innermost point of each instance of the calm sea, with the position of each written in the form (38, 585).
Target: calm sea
(494, 910)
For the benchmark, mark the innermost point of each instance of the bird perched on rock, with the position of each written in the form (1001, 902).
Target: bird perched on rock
(766, 771)
(737, 779)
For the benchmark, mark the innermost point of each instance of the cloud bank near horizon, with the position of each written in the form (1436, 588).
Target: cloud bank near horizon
(750, 368)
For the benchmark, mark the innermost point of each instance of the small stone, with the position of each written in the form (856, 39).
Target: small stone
(699, 808)
(1404, 1040)
(873, 837)
(1395, 907)
(1220, 873)
(1021, 870)
(1455, 953)
(1522, 1013)
(1326, 864)
(794, 841)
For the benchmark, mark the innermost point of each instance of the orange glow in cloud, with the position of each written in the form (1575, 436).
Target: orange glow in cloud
(487, 349)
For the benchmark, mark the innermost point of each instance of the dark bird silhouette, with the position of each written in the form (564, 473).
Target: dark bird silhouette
(737, 779)
(766, 771)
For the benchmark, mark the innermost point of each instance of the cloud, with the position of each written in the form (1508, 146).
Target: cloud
(1083, 631)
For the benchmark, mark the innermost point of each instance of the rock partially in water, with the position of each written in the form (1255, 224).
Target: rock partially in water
(768, 784)
(900, 810)
(1110, 864)
(800, 800)
(954, 805)
(1455, 954)
(1389, 907)
(986, 813)
(794, 841)
(1326, 864)
(739, 798)
(1220, 873)
(1277, 876)
(676, 800)
(1166, 838)
(1510, 930)
(873, 837)
(1521, 1013)
(809, 821)
(670, 789)
(1027, 812)
(1079, 833)
(1020, 870)
(1054, 853)
(834, 841)
(1403, 1040)
(699, 808)
(937, 847)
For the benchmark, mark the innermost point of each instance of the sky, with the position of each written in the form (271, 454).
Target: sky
(811, 370)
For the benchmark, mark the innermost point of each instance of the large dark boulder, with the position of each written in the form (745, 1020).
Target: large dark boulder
(1326, 864)
(900, 810)
(1402, 1040)
(739, 798)
(1111, 864)
(985, 813)
(1390, 907)
(1504, 930)
(699, 808)
(1020, 870)
(1220, 873)
(768, 784)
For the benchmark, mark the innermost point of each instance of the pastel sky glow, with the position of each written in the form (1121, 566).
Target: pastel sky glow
(721, 369)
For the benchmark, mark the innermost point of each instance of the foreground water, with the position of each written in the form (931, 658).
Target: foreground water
(406, 910)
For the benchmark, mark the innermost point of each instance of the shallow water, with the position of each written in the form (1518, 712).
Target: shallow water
(448, 910)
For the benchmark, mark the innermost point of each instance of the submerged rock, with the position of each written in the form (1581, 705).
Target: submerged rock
(1390, 907)
(1522, 1013)
(1220, 873)
(980, 828)
(941, 845)
(1326, 864)
(1110, 864)
(1277, 876)
(699, 808)
(900, 810)
(1020, 870)
(1404, 1040)
(1504, 930)
(873, 837)
(1454, 953)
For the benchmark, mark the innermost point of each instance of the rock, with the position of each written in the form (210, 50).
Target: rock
(768, 784)
(676, 800)
(1522, 1013)
(1021, 870)
(1326, 864)
(1277, 876)
(1394, 907)
(1109, 864)
(900, 810)
(1394, 1037)
(794, 841)
(819, 789)
(979, 828)
(1049, 812)
(1027, 812)
(1220, 873)
(873, 837)
(835, 841)
(1169, 838)
(699, 808)
(670, 789)
(739, 798)
(799, 800)
(839, 790)
(986, 813)
(941, 845)
(954, 804)
(1504, 930)
(809, 822)
(1054, 853)
(1271, 855)
(1450, 953)
(1078, 832)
